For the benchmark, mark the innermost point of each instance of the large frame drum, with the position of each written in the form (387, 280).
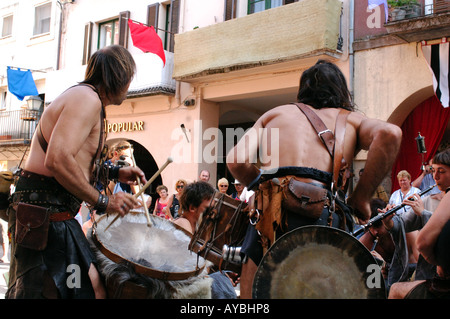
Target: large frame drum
(318, 262)
(138, 262)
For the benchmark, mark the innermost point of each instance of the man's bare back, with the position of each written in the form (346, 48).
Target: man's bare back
(299, 144)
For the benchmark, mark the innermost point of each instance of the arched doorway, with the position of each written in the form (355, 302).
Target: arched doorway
(146, 162)
(431, 120)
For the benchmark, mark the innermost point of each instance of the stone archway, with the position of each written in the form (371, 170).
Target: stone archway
(146, 162)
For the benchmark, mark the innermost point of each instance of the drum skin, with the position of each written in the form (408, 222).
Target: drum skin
(136, 261)
(318, 262)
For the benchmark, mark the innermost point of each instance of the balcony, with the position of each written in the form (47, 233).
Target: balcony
(286, 34)
(413, 23)
(17, 127)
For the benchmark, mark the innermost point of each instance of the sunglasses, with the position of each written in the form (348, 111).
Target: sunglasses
(180, 186)
(223, 185)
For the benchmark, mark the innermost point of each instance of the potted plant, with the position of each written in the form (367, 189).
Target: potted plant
(396, 10)
(404, 9)
(413, 9)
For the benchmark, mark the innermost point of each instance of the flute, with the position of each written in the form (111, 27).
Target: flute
(388, 213)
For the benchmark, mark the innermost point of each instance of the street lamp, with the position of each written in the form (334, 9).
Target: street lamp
(34, 102)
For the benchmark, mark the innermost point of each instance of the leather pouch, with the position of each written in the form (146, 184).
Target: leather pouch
(304, 199)
(32, 223)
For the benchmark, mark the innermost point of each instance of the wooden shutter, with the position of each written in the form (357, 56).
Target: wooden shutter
(123, 28)
(152, 15)
(230, 9)
(87, 42)
(174, 22)
(441, 6)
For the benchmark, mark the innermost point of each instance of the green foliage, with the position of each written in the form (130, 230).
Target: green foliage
(400, 3)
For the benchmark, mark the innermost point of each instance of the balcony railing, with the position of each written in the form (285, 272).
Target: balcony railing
(433, 23)
(18, 126)
(417, 10)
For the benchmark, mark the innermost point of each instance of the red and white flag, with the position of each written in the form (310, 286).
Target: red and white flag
(145, 38)
(438, 58)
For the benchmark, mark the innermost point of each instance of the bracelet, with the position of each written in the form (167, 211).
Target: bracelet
(102, 203)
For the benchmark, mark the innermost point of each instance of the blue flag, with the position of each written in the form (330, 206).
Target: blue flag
(21, 83)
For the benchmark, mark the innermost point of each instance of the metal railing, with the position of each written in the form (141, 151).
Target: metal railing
(417, 10)
(18, 126)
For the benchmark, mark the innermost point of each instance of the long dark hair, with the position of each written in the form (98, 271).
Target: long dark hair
(110, 69)
(323, 85)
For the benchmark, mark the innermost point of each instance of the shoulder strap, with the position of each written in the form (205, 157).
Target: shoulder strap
(41, 139)
(333, 142)
(323, 132)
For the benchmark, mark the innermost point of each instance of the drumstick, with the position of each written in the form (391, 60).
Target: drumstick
(169, 160)
(149, 223)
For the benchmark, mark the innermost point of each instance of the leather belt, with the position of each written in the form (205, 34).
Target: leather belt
(46, 197)
(60, 217)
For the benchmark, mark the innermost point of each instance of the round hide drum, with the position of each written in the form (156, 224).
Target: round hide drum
(318, 262)
(223, 223)
(137, 261)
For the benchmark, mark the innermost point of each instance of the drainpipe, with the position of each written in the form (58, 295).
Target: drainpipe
(58, 56)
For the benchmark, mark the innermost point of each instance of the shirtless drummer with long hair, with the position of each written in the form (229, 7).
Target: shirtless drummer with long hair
(58, 175)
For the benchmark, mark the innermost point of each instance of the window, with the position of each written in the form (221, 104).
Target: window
(42, 19)
(7, 26)
(108, 33)
(113, 31)
(261, 5)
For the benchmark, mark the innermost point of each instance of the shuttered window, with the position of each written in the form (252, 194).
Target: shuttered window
(152, 15)
(123, 28)
(114, 31)
(261, 5)
(230, 9)
(173, 20)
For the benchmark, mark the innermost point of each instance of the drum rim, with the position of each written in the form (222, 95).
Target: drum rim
(259, 292)
(140, 269)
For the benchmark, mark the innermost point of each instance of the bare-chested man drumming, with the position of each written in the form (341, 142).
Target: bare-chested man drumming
(300, 152)
(58, 175)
